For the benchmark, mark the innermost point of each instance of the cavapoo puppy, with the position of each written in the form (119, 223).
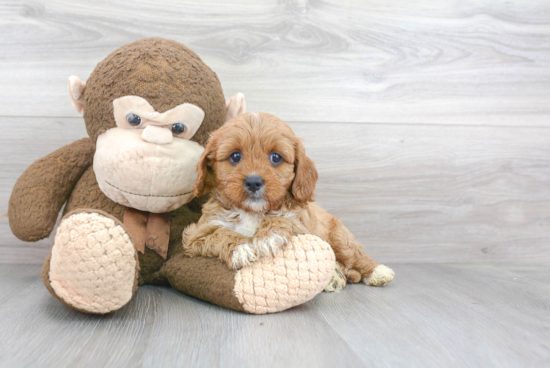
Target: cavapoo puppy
(262, 186)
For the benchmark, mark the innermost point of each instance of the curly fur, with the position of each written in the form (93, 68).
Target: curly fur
(283, 208)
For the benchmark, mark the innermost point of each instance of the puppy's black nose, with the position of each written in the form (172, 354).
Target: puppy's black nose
(254, 183)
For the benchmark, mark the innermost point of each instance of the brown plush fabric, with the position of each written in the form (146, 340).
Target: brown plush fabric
(136, 223)
(147, 229)
(41, 191)
(158, 233)
(167, 74)
(204, 278)
(86, 194)
(164, 72)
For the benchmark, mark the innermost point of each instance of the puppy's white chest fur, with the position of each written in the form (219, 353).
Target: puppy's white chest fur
(239, 221)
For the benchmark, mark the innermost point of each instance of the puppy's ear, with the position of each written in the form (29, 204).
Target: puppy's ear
(303, 187)
(202, 168)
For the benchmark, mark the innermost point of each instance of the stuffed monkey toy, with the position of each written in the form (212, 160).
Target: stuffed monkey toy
(128, 192)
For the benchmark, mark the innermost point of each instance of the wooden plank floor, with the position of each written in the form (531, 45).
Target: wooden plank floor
(431, 316)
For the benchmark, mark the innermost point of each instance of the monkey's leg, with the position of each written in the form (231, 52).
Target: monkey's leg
(358, 265)
(93, 265)
(292, 277)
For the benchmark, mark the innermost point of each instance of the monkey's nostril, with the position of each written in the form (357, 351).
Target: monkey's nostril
(253, 183)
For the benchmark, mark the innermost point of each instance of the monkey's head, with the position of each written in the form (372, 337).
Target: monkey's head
(149, 107)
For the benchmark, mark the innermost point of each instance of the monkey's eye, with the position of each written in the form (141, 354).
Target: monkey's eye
(178, 128)
(235, 157)
(133, 120)
(275, 158)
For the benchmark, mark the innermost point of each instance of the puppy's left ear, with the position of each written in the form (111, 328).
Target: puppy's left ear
(202, 185)
(303, 187)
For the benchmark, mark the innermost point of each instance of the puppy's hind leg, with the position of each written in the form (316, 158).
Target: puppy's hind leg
(357, 263)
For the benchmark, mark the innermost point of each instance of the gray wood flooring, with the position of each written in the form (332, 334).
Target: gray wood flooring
(430, 316)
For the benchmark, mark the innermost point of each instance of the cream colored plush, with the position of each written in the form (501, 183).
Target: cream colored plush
(93, 263)
(188, 114)
(290, 278)
(149, 177)
(235, 106)
(76, 93)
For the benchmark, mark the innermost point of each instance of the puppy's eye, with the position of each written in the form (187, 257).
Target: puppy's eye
(275, 158)
(133, 120)
(178, 128)
(235, 158)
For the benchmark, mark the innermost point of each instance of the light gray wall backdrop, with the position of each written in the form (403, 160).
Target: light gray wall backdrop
(429, 121)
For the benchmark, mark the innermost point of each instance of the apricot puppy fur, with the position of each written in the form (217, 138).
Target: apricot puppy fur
(262, 186)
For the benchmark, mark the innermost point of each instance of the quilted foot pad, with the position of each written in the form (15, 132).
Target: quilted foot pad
(93, 263)
(293, 277)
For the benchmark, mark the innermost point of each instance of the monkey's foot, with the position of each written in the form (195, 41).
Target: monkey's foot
(381, 276)
(338, 281)
(93, 263)
(293, 276)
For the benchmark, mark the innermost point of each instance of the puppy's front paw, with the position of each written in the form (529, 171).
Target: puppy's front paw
(270, 242)
(242, 256)
(381, 276)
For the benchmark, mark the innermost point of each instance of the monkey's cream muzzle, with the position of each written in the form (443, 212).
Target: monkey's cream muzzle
(154, 177)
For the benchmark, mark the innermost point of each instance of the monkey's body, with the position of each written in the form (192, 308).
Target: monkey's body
(99, 256)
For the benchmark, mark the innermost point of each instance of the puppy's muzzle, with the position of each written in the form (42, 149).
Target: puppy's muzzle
(253, 183)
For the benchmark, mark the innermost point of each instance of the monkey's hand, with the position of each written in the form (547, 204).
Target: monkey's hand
(44, 187)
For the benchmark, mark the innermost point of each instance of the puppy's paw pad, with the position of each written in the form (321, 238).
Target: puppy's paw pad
(243, 256)
(381, 276)
(338, 281)
(270, 245)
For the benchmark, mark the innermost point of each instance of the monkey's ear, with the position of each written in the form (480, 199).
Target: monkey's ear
(235, 106)
(76, 92)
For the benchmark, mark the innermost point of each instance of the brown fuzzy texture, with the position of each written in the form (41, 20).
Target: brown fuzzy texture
(285, 201)
(167, 74)
(204, 278)
(164, 72)
(86, 194)
(41, 191)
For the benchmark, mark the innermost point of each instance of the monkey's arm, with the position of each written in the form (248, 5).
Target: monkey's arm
(44, 187)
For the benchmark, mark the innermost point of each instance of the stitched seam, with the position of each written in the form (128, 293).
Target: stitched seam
(145, 195)
(154, 167)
